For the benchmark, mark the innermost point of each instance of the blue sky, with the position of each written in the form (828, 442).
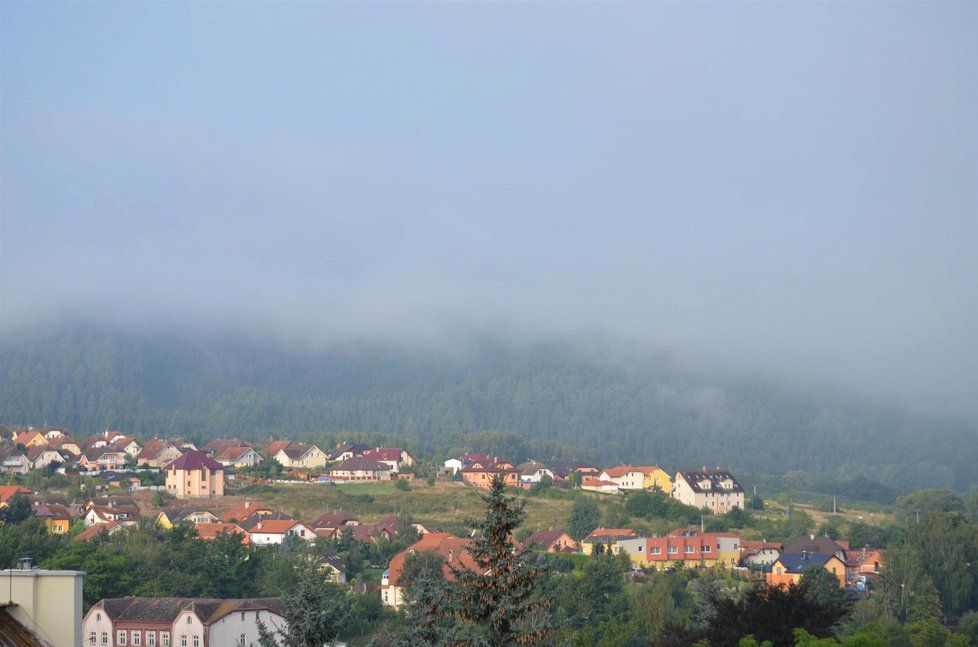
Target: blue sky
(787, 188)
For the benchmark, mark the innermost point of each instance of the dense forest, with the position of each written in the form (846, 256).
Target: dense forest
(557, 398)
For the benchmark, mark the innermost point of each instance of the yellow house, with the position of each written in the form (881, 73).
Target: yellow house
(656, 477)
(57, 518)
(638, 477)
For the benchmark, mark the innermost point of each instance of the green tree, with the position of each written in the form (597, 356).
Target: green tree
(584, 518)
(501, 594)
(315, 609)
(18, 509)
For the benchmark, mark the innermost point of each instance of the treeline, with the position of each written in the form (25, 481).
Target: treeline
(556, 400)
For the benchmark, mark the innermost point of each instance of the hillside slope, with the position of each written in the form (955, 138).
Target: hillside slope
(89, 378)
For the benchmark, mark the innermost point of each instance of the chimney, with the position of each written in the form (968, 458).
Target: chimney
(25, 564)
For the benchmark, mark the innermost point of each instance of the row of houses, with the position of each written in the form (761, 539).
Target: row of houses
(716, 490)
(780, 565)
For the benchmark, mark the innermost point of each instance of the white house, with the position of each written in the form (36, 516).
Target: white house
(454, 465)
(274, 531)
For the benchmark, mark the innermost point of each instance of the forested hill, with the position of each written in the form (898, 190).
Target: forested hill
(556, 400)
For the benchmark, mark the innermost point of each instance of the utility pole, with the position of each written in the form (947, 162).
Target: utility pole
(833, 505)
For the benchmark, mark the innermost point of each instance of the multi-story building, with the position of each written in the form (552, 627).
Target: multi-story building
(638, 477)
(301, 455)
(716, 490)
(684, 546)
(195, 474)
(179, 622)
(44, 607)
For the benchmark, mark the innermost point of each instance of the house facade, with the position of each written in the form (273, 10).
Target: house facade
(789, 568)
(716, 490)
(302, 456)
(361, 468)
(179, 622)
(453, 550)
(275, 531)
(641, 477)
(158, 453)
(194, 474)
(688, 547)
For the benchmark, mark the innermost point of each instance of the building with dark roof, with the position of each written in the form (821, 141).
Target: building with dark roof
(713, 489)
(195, 474)
(187, 622)
(789, 568)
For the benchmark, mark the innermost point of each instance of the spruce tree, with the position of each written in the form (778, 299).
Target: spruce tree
(501, 593)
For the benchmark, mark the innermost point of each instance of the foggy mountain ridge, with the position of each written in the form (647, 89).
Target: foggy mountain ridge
(644, 408)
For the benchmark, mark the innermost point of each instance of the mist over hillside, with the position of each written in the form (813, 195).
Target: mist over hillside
(557, 396)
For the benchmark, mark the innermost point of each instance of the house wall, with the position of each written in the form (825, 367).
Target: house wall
(484, 479)
(241, 627)
(97, 629)
(314, 458)
(192, 483)
(49, 603)
(188, 631)
(658, 479)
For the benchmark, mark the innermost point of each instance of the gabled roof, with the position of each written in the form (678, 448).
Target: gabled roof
(334, 519)
(276, 446)
(276, 526)
(153, 448)
(194, 460)
(454, 550)
(296, 451)
(361, 463)
(8, 491)
(36, 451)
(694, 477)
(384, 454)
(166, 610)
(15, 634)
(232, 453)
(601, 535)
(52, 511)
(252, 521)
(244, 510)
(815, 544)
(590, 481)
(209, 530)
(621, 470)
(544, 538)
(97, 529)
(798, 562)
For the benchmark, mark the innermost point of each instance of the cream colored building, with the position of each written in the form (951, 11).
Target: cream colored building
(195, 475)
(716, 490)
(47, 603)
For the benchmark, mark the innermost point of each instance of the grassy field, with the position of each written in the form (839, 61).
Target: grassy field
(444, 506)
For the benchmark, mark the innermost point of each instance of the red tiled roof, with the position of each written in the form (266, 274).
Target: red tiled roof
(8, 491)
(276, 526)
(607, 533)
(383, 454)
(210, 531)
(452, 549)
(276, 446)
(245, 510)
(621, 470)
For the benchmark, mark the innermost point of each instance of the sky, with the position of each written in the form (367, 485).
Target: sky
(785, 188)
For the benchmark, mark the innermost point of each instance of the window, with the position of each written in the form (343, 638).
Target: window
(690, 549)
(656, 550)
(706, 549)
(673, 550)
(121, 636)
(136, 639)
(98, 617)
(150, 639)
(183, 640)
(165, 639)
(196, 641)
(244, 640)
(91, 638)
(105, 637)
(189, 620)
